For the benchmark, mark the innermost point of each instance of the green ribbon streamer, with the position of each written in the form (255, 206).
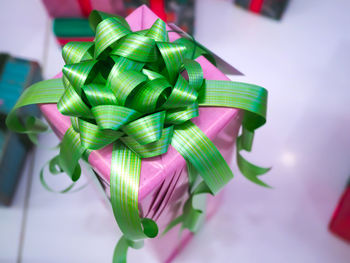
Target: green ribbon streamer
(55, 169)
(192, 217)
(195, 147)
(129, 88)
(34, 95)
(125, 176)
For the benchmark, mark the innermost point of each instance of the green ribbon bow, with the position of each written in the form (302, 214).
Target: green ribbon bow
(139, 91)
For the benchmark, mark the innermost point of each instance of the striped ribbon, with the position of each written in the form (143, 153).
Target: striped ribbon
(139, 91)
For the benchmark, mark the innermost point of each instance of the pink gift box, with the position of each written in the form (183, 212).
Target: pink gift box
(81, 8)
(163, 182)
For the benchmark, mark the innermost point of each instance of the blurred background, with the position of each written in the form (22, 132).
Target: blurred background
(299, 51)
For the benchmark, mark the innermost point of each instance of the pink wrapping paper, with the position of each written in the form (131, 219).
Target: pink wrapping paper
(163, 182)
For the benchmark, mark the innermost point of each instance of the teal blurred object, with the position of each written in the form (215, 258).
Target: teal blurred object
(72, 27)
(15, 75)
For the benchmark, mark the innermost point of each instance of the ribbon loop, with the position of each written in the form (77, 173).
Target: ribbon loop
(151, 95)
(181, 115)
(75, 52)
(147, 129)
(125, 83)
(71, 104)
(195, 74)
(136, 47)
(113, 117)
(172, 55)
(151, 149)
(96, 17)
(182, 95)
(94, 138)
(158, 31)
(97, 94)
(108, 32)
(152, 74)
(78, 73)
(70, 153)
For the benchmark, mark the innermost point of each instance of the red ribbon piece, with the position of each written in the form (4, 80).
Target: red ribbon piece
(256, 5)
(85, 7)
(158, 7)
(340, 223)
(62, 40)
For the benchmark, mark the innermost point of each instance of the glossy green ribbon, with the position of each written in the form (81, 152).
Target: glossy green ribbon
(139, 91)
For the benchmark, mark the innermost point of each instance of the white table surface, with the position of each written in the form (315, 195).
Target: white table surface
(304, 62)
